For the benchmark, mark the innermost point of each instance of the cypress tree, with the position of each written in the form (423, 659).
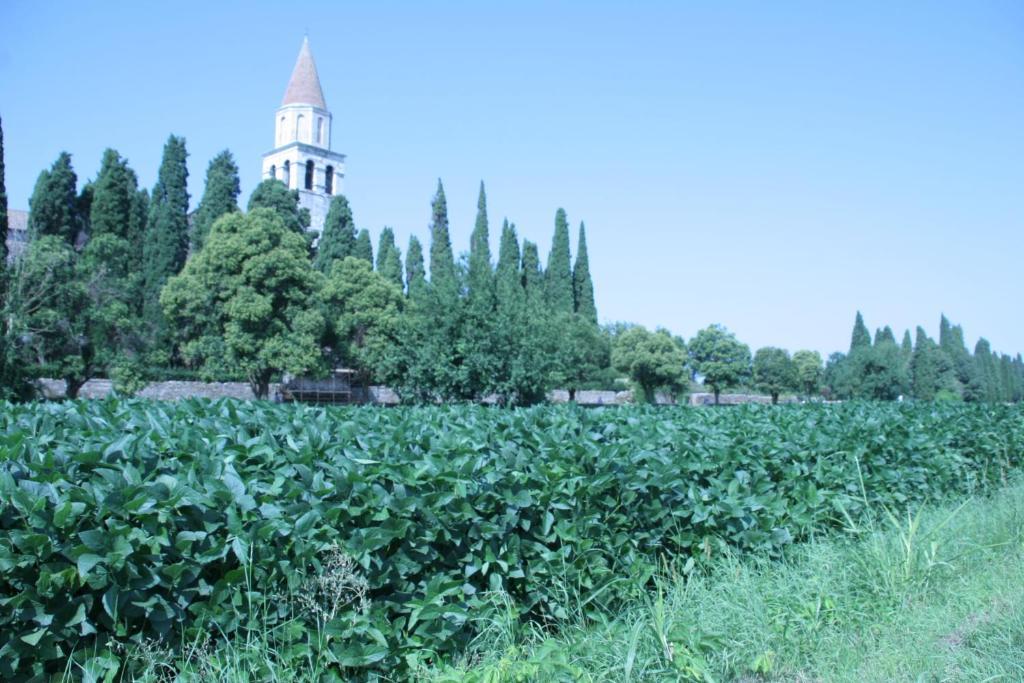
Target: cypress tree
(220, 196)
(166, 243)
(275, 195)
(364, 247)
(415, 270)
(907, 346)
(389, 259)
(558, 278)
(582, 285)
(338, 239)
(137, 228)
(946, 336)
(533, 278)
(481, 275)
(113, 198)
(54, 206)
(477, 334)
(884, 336)
(507, 273)
(985, 368)
(860, 338)
(443, 277)
(932, 371)
(3, 210)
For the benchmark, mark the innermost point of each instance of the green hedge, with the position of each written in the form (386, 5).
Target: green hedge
(127, 520)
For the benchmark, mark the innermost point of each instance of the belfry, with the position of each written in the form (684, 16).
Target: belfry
(302, 156)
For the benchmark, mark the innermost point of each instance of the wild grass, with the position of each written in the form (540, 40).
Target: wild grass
(935, 594)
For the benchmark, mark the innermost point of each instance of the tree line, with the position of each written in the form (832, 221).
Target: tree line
(123, 282)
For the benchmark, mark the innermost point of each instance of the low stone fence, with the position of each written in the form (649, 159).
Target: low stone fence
(378, 395)
(167, 391)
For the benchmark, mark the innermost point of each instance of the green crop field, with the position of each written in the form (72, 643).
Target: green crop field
(366, 541)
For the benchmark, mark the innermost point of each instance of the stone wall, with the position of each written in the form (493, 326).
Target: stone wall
(174, 390)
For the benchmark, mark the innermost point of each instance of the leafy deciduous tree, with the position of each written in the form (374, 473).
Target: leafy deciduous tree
(774, 371)
(244, 303)
(720, 358)
(653, 360)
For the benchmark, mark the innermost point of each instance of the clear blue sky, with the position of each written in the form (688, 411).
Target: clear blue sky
(770, 166)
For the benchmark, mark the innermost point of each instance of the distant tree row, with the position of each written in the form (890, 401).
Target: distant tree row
(657, 361)
(123, 282)
(884, 369)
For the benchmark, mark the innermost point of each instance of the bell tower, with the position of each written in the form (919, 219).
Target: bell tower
(302, 158)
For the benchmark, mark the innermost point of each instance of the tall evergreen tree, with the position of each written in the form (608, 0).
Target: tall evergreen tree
(443, 276)
(481, 364)
(113, 198)
(932, 374)
(275, 195)
(364, 247)
(582, 285)
(220, 196)
(907, 347)
(115, 241)
(338, 238)
(884, 335)
(54, 206)
(533, 278)
(986, 369)
(389, 258)
(558, 276)
(166, 243)
(860, 338)
(481, 275)
(415, 270)
(3, 213)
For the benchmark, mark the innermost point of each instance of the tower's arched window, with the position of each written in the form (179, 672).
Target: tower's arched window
(280, 132)
(319, 130)
(273, 171)
(309, 174)
(300, 128)
(287, 177)
(329, 180)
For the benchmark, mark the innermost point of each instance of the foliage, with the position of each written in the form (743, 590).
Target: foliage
(338, 238)
(415, 270)
(244, 303)
(122, 521)
(653, 360)
(932, 370)
(362, 309)
(720, 358)
(582, 285)
(3, 220)
(861, 338)
(389, 259)
(274, 195)
(558, 280)
(54, 206)
(774, 371)
(166, 242)
(583, 351)
(364, 247)
(809, 372)
(220, 196)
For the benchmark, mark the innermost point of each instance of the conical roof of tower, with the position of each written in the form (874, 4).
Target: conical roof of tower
(304, 86)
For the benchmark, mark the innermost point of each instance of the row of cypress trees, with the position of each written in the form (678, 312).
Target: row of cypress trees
(474, 327)
(89, 284)
(923, 368)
